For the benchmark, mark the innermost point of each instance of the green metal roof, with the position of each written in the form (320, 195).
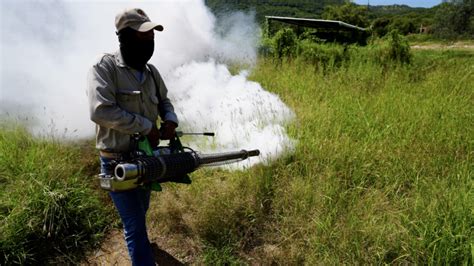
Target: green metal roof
(316, 23)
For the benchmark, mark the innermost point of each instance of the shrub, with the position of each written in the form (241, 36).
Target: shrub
(403, 25)
(284, 43)
(265, 47)
(380, 26)
(322, 54)
(393, 49)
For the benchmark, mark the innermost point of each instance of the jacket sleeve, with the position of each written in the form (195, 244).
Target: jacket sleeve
(165, 107)
(103, 107)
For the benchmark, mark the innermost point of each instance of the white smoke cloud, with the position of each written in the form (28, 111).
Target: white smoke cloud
(244, 115)
(47, 47)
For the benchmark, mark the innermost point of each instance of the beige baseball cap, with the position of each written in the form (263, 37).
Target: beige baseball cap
(136, 19)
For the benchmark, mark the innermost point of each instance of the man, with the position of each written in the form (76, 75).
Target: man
(126, 96)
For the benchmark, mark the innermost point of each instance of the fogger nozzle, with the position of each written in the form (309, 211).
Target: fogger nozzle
(165, 167)
(126, 171)
(217, 159)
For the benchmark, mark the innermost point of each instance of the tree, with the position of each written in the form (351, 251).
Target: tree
(348, 12)
(284, 43)
(455, 19)
(403, 25)
(380, 26)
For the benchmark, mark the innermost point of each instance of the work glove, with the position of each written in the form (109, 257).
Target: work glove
(154, 136)
(168, 130)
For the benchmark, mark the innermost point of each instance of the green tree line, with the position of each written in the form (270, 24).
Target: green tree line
(453, 19)
(290, 8)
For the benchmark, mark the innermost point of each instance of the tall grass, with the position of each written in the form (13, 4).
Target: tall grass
(49, 212)
(382, 172)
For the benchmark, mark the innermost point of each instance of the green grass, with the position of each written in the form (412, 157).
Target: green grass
(382, 171)
(48, 210)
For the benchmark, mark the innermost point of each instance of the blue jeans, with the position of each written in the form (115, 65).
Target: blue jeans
(132, 206)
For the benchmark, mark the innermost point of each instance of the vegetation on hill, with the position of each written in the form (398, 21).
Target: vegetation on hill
(349, 13)
(454, 20)
(288, 8)
(446, 21)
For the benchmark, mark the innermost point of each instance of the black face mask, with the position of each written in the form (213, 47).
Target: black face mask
(135, 52)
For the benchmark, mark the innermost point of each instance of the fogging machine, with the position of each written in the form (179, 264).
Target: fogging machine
(147, 167)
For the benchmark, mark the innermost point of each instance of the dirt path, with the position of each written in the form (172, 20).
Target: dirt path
(439, 46)
(114, 251)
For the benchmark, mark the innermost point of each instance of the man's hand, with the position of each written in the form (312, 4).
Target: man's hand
(154, 136)
(167, 130)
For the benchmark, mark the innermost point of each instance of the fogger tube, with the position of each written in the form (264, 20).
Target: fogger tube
(168, 166)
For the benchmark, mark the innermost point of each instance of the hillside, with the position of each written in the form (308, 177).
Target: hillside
(292, 8)
(308, 9)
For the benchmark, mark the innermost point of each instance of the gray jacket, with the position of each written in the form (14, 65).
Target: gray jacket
(122, 101)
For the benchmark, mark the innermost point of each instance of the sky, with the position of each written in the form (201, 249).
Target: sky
(412, 3)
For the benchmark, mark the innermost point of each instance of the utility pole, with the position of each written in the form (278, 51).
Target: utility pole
(368, 6)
